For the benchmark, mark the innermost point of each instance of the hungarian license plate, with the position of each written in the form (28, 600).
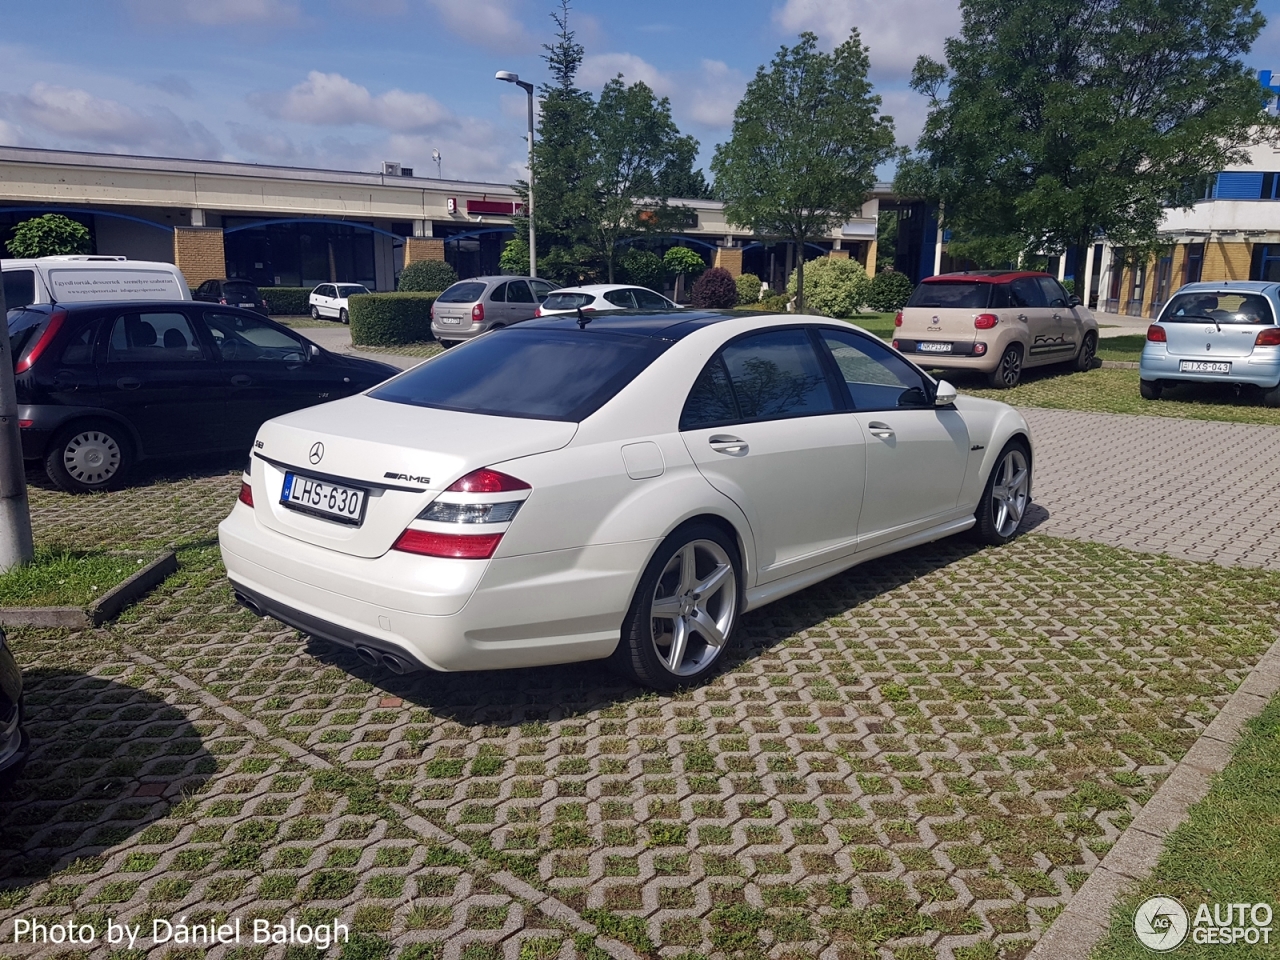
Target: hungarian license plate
(450, 319)
(248, 305)
(1204, 366)
(930, 347)
(329, 500)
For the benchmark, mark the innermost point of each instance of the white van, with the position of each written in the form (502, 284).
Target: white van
(77, 279)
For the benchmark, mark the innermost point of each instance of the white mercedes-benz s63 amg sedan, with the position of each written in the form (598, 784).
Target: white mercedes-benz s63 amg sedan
(612, 485)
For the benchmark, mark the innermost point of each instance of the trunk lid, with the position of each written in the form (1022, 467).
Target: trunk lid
(1201, 340)
(940, 324)
(402, 455)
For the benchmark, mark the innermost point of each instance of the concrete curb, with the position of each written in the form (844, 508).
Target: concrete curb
(1119, 365)
(1087, 917)
(102, 609)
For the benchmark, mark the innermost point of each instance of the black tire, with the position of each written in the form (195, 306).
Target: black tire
(1009, 370)
(342, 315)
(1088, 353)
(1272, 397)
(89, 456)
(315, 313)
(637, 654)
(991, 528)
(1150, 389)
(446, 344)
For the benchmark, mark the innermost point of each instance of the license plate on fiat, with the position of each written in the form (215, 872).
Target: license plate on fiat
(322, 498)
(1203, 366)
(932, 347)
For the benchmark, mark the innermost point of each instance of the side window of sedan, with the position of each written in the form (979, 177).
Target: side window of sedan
(240, 337)
(153, 338)
(877, 378)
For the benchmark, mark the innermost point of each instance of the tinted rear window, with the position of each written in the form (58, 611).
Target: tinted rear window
(462, 293)
(963, 294)
(566, 301)
(532, 374)
(241, 290)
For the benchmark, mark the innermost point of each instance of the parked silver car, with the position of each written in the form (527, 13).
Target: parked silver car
(471, 307)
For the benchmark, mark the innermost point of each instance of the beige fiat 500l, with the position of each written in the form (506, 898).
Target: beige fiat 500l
(997, 323)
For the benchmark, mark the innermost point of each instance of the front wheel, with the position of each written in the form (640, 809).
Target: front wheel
(1006, 496)
(684, 610)
(1088, 352)
(1149, 389)
(315, 313)
(342, 315)
(88, 457)
(1009, 370)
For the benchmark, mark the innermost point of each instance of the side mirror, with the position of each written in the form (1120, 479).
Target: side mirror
(315, 350)
(1073, 301)
(945, 394)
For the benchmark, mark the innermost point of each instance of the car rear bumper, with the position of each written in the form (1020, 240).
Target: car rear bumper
(458, 331)
(1260, 369)
(961, 357)
(556, 607)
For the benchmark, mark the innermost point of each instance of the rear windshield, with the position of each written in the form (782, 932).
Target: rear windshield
(964, 294)
(239, 290)
(533, 374)
(1218, 308)
(462, 293)
(566, 301)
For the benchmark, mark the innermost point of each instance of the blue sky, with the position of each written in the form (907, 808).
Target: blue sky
(350, 83)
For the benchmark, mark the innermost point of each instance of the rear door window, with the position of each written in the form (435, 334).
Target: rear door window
(648, 300)
(961, 294)
(499, 294)
(466, 292)
(19, 288)
(621, 298)
(79, 349)
(1027, 293)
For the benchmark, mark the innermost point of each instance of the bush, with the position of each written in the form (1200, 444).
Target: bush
(680, 260)
(1070, 286)
(423, 276)
(642, 267)
(286, 301)
(748, 288)
(388, 319)
(890, 291)
(51, 235)
(715, 289)
(833, 287)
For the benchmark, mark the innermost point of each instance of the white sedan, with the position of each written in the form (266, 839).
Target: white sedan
(621, 486)
(330, 300)
(603, 296)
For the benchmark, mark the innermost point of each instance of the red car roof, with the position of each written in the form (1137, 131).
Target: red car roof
(985, 276)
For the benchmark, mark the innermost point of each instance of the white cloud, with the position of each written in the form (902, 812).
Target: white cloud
(705, 97)
(599, 68)
(896, 33)
(715, 93)
(486, 23)
(75, 115)
(330, 99)
(216, 13)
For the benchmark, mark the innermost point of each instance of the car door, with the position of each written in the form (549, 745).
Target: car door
(268, 370)
(916, 453)
(1033, 310)
(324, 300)
(1067, 320)
(764, 426)
(159, 376)
(520, 301)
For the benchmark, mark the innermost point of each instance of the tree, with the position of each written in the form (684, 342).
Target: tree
(1054, 121)
(681, 262)
(807, 138)
(51, 235)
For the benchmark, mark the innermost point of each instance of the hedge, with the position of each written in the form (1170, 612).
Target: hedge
(287, 301)
(388, 319)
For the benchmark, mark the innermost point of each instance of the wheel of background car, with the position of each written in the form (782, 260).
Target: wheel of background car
(342, 315)
(89, 456)
(446, 344)
(315, 313)
(684, 610)
(1006, 496)
(1151, 390)
(1009, 370)
(1088, 351)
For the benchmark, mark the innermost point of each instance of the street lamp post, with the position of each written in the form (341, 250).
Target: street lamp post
(528, 88)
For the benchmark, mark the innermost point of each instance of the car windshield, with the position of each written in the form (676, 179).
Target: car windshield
(533, 374)
(566, 301)
(462, 293)
(240, 291)
(351, 289)
(1218, 308)
(965, 294)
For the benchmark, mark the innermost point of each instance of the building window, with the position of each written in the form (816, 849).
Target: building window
(1266, 262)
(1194, 265)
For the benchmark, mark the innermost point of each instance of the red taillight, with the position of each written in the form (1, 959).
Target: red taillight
(985, 321)
(537, 312)
(25, 424)
(265, 306)
(477, 313)
(897, 321)
(222, 300)
(895, 345)
(485, 480)
(454, 546)
(32, 355)
(1156, 334)
(246, 494)
(1269, 337)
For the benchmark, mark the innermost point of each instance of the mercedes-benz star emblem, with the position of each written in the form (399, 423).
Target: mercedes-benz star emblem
(317, 452)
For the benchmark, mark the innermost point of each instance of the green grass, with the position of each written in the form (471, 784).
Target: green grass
(881, 324)
(1116, 391)
(1228, 851)
(1126, 348)
(64, 578)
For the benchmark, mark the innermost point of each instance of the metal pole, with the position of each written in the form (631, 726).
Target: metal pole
(533, 243)
(15, 515)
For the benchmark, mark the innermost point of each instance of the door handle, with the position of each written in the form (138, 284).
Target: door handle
(128, 383)
(240, 380)
(881, 430)
(1057, 316)
(722, 443)
(1022, 317)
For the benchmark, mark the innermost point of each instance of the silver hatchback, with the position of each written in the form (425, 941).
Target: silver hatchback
(472, 307)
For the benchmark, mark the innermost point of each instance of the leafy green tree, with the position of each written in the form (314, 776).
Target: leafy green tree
(1056, 120)
(641, 267)
(514, 258)
(51, 235)
(807, 138)
(681, 262)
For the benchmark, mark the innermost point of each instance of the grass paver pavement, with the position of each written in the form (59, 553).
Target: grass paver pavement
(924, 756)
